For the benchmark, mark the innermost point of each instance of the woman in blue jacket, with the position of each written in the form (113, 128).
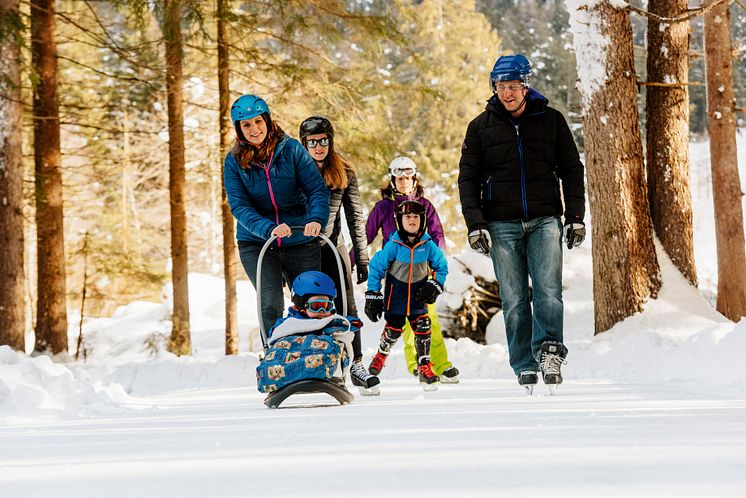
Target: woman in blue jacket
(272, 184)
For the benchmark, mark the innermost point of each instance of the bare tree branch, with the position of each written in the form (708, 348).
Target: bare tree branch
(691, 15)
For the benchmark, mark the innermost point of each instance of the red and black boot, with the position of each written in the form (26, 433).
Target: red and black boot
(428, 378)
(388, 338)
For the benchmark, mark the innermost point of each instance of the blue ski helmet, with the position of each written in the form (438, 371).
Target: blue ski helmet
(510, 68)
(247, 107)
(311, 283)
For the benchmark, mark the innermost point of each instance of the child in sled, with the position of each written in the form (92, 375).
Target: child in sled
(299, 344)
(407, 262)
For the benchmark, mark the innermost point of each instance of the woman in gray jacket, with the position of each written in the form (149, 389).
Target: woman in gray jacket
(317, 135)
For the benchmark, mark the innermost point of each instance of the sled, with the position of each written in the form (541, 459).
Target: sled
(336, 390)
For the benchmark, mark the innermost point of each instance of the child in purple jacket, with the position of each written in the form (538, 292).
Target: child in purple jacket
(403, 185)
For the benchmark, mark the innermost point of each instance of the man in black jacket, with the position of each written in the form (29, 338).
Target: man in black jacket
(514, 159)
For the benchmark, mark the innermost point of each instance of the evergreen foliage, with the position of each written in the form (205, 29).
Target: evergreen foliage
(396, 77)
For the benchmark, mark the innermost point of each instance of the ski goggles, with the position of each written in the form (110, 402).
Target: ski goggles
(320, 305)
(311, 144)
(399, 172)
(410, 207)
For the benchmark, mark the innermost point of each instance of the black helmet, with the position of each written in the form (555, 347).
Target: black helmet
(314, 126)
(410, 207)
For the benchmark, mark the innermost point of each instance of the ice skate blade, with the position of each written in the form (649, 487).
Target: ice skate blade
(552, 389)
(449, 380)
(371, 391)
(429, 387)
(529, 389)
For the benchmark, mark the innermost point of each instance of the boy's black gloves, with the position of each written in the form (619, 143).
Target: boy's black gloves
(429, 292)
(373, 305)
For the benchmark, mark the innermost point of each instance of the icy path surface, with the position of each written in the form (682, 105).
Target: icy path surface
(479, 438)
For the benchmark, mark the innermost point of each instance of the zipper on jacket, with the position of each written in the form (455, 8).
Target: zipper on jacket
(272, 193)
(524, 201)
(411, 267)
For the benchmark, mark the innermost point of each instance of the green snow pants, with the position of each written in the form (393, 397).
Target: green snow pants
(438, 353)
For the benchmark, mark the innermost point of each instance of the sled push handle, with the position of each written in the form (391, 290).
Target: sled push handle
(340, 267)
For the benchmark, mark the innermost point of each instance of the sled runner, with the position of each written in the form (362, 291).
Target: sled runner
(318, 360)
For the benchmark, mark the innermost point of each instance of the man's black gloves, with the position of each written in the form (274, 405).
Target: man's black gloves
(574, 234)
(362, 273)
(479, 240)
(373, 305)
(429, 292)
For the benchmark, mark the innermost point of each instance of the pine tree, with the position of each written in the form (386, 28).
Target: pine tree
(625, 266)
(51, 313)
(12, 298)
(180, 342)
(726, 185)
(225, 129)
(667, 117)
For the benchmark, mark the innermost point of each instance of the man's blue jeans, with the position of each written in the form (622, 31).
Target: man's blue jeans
(521, 249)
(288, 261)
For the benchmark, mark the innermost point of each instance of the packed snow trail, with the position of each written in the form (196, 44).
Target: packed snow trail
(478, 438)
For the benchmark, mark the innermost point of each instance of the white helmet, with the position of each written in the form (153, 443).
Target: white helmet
(402, 166)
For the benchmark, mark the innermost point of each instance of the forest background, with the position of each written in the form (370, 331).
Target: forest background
(395, 77)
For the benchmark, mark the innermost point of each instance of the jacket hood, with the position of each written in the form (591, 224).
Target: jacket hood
(535, 102)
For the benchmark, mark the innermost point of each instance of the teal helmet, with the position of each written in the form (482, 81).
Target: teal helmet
(247, 107)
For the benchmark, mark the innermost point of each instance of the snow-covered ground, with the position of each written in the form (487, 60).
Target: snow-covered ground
(654, 407)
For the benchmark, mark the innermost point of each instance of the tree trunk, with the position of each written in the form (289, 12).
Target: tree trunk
(726, 184)
(180, 342)
(229, 230)
(12, 297)
(625, 266)
(667, 114)
(51, 315)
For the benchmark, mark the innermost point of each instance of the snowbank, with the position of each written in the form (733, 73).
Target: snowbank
(38, 386)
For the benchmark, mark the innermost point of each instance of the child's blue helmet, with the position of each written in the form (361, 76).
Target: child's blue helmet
(247, 107)
(311, 283)
(511, 68)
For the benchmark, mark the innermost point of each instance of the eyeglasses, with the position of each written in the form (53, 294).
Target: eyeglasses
(399, 172)
(311, 144)
(513, 87)
(320, 305)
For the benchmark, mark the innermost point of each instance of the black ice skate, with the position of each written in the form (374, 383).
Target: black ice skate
(428, 379)
(528, 379)
(366, 383)
(552, 357)
(449, 376)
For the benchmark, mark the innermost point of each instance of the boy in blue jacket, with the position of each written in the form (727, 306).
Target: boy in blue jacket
(407, 261)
